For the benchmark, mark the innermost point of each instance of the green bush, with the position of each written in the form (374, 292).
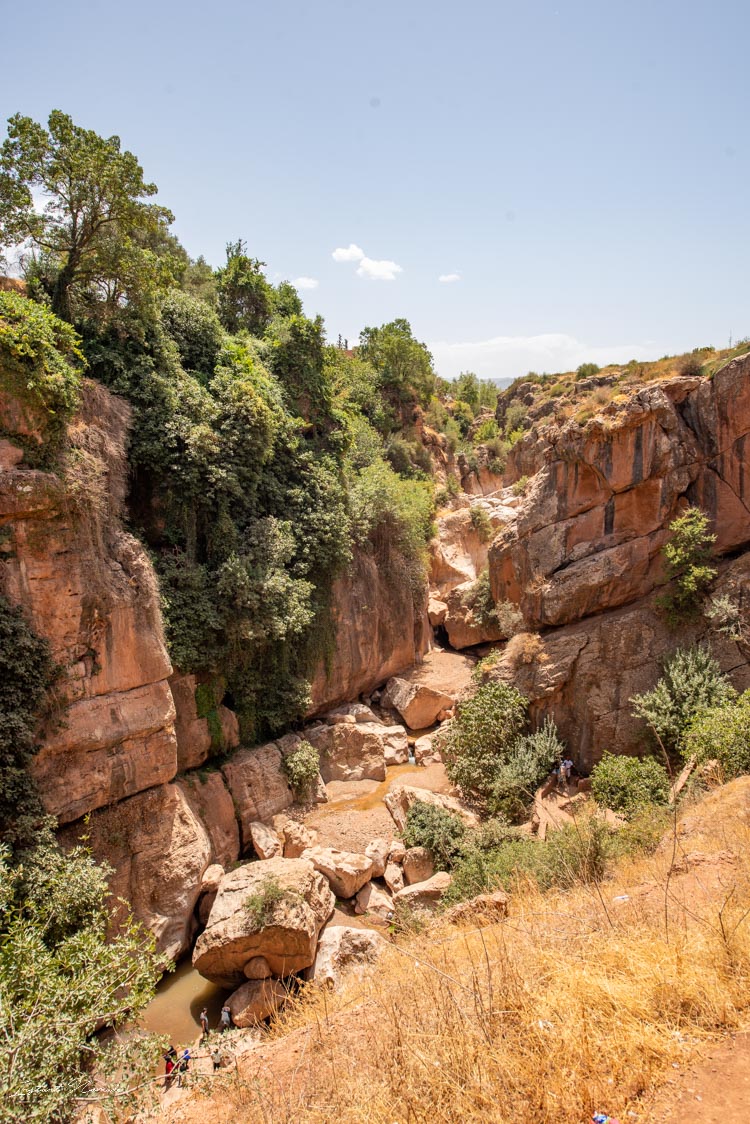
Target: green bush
(587, 370)
(64, 977)
(481, 736)
(487, 757)
(261, 904)
(722, 733)
(301, 768)
(629, 784)
(577, 853)
(692, 681)
(40, 363)
(478, 599)
(195, 328)
(487, 431)
(687, 555)
(441, 832)
(26, 672)
(515, 416)
(481, 523)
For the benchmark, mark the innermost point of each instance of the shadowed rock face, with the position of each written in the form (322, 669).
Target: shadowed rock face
(88, 587)
(596, 512)
(378, 632)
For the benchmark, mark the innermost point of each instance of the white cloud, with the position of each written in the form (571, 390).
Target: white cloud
(378, 270)
(350, 253)
(510, 356)
(305, 282)
(446, 278)
(382, 270)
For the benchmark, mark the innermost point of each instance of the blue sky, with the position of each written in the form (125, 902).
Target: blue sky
(581, 166)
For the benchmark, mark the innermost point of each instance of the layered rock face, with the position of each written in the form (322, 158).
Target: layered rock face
(595, 515)
(88, 587)
(378, 631)
(583, 675)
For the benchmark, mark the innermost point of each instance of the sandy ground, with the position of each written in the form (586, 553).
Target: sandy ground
(355, 813)
(714, 1091)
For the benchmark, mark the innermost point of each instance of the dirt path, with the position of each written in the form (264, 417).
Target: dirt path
(715, 1090)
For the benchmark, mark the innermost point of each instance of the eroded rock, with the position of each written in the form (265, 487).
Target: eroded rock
(343, 949)
(346, 871)
(287, 936)
(255, 1001)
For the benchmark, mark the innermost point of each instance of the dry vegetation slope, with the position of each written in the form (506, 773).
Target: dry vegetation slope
(579, 1001)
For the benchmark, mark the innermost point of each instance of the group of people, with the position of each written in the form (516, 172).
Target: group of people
(177, 1066)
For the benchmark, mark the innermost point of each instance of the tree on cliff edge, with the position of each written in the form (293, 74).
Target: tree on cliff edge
(98, 244)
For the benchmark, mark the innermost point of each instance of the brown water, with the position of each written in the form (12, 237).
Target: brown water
(176, 1007)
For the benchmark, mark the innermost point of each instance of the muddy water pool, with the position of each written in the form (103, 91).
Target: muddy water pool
(176, 1007)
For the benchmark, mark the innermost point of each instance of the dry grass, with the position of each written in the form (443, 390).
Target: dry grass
(576, 1002)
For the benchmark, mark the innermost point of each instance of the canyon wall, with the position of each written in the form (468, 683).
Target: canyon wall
(600, 497)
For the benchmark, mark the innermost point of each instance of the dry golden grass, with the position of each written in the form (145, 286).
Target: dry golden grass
(576, 1002)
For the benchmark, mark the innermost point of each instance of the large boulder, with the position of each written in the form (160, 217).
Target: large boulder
(373, 899)
(349, 752)
(422, 693)
(378, 850)
(399, 799)
(346, 871)
(296, 837)
(256, 1000)
(258, 786)
(343, 949)
(418, 865)
(395, 743)
(425, 895)
(266, 843)
(417, 703)
(286, 938)
(394, 877)
(426, 751)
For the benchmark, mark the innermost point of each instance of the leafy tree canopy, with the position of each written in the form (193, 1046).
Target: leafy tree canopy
(95, 227)
(403, 363)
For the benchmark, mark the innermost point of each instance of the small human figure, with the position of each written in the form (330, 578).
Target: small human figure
(204, 1022)
(568, 767)
(560, 773)
(182, 1067)
(216, 1058)
(170, 1063)
(225, 1019)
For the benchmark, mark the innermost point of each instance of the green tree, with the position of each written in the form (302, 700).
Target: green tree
(692, 682)
(64, 976)
(687, 555)
(403, 363)
(441, 832)
(722, 733)
(245, 297)
(628, 784)
(95, 226)
(480, 739)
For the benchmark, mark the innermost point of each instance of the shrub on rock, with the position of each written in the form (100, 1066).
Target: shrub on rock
(627, 784)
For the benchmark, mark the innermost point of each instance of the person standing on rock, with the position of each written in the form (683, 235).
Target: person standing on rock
(216, 1058)
(225, 1020)
(204, 1022)
(183, 1066)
